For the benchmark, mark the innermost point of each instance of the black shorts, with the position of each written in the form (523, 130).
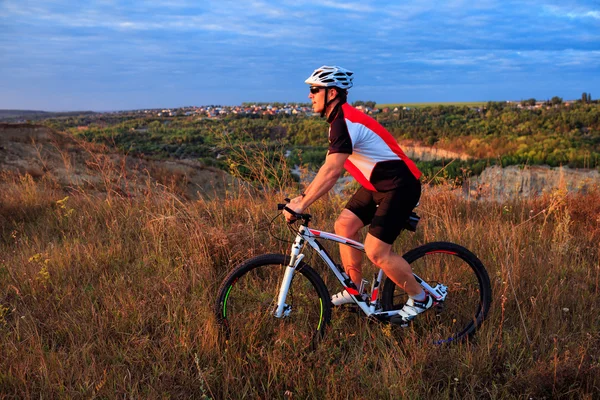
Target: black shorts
(386, 212)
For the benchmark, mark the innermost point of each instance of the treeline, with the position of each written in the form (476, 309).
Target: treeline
(553, 135)
(274, 104)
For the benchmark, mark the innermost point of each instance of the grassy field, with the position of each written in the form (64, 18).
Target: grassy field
(422, 105)
(110, 295)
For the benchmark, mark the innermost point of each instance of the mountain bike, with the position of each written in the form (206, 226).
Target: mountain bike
(279, 300)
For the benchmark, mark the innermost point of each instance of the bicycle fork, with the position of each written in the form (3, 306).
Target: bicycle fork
(282, 309)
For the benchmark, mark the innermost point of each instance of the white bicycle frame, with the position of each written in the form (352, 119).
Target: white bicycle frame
(369, 305)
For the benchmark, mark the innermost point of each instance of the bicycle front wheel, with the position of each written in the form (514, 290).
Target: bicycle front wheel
(468, 291)
(247, 300)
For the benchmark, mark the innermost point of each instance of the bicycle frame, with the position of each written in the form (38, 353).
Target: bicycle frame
(369, 305)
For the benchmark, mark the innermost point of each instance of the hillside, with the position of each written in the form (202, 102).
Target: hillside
(36, 115)
(42, 152)
(22, 113)
(450, 143)
(77, 165)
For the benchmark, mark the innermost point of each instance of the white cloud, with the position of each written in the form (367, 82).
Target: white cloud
(577, 13)
(348, 6)
(256, 19)
(590, 14)
(424, 41)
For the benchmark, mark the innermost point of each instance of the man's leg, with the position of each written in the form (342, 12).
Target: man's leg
(348, 225)
(393, 265)
(399, 271)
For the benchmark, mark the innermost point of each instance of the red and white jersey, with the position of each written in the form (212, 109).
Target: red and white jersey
(376, 160)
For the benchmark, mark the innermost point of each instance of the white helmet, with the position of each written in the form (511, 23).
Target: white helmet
(331, 76)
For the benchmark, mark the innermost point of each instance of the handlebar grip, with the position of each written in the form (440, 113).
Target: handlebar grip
(294, 213)
(282, 207)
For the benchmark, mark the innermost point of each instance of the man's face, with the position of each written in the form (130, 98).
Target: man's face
(317, 96)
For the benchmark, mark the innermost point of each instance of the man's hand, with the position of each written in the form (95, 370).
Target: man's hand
(294, 204)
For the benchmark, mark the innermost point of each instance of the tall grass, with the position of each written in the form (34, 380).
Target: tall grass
(106, 295)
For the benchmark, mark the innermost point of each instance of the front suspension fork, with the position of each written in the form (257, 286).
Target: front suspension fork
(282, 309)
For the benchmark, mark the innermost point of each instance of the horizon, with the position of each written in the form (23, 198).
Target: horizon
(289, 102)
(106, 56)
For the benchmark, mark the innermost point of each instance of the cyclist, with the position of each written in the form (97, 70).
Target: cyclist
(390, 187)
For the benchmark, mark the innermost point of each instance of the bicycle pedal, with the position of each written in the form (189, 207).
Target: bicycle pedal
(400, 322)
(402, 325)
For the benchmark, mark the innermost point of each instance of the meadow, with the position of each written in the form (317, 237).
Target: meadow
(109, 293)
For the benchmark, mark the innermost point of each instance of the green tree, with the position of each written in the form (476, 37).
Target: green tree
(584, 98)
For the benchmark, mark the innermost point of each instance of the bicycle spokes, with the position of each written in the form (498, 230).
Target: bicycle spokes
(455, 280)
(248, 306)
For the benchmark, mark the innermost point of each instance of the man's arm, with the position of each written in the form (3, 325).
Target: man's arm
(324, 180)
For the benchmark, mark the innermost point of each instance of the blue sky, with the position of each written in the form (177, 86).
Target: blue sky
(111, 55)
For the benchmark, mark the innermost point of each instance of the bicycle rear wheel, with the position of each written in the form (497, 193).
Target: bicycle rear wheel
(469, 293)
(247, 300)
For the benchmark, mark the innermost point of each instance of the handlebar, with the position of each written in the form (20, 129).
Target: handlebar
(304, 217)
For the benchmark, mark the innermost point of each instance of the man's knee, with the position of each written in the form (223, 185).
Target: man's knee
(347, 225)
(377, 254)
(340, 227)
(352, 269)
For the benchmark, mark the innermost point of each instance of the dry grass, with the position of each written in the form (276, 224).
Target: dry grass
(111, 296)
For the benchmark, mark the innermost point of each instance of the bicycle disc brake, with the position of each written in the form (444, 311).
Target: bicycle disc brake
(287, 309)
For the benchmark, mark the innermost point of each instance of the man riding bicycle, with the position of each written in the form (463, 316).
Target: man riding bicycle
(390, 187)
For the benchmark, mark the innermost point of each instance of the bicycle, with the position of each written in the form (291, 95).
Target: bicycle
(281, 300)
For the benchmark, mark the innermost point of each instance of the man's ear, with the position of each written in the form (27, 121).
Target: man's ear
(332, 94)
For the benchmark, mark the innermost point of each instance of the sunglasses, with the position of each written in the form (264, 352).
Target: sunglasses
(316, 89)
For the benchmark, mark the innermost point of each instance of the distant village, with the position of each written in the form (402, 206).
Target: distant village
(267, 109)
(215, 111)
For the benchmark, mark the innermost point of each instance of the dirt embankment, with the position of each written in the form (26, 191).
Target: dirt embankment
(505, 183)
(43, 153)
(497, 183)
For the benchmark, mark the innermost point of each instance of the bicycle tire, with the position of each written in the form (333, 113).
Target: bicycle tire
(245, 314)
(469, 291)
